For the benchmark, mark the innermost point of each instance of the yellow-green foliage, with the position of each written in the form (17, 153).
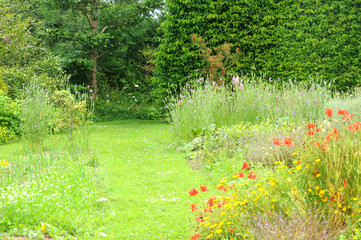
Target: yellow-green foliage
(320, 182)
(70, 113)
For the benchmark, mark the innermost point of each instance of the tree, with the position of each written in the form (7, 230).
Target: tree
(83, 31)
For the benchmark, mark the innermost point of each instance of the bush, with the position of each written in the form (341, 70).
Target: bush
(288, 39)
(9, 119)
(125, 104)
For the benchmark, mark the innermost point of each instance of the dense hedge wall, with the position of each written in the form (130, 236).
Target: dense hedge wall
(287, 38)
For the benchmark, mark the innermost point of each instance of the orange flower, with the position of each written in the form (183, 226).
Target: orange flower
(277, 141)
(311, 125)
(194, 207)
(211, 201)
(342, 112)
(288, 141)
(310, 132)
(204, 188)
(193, 192)
(354, 126)
(335, 133)
(348, 117)
(329, 112)
(344, 184)
(246, 166)
(252, 175)
(241, 174)
(318, 129)
(316, 144)
(195, 236)
(208, 209)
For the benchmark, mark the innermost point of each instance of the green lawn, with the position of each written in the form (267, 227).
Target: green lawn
(145, 179)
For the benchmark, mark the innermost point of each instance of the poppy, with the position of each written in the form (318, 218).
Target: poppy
(193, 192)
(311, 125)
(354, 126)
(246, 166)
(348, 117)
(329, 112)
(204, 188)
(252, 175)
(195, 236)
(288, 141)
(277, 141)
(241, 174)
(316, 144)
(310, 132)
(211, 201)
(318, 129)
(342, 112)
(194, 207)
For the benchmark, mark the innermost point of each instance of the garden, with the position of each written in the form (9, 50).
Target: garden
(180, 120)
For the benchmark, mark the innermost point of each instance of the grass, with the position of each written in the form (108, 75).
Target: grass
(139, 189)
(145, 180)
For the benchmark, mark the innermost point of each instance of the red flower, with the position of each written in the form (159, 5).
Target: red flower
(203, 188)
(354, 126)
(195, 236)
(288, 141)
(208, 209)
(200, 218)
(342, 112)
(194, 207)
(316, 173)
(329, 112)
(316, 144)
(348, 117)
(335, 133)
(252, 175)
(310, 132)
(232, 230)
(246, 166)
(344, 183)
(193, 192)
(211, 201)
(311, 125)
(318, 129)
(277, 141)
(241, 174)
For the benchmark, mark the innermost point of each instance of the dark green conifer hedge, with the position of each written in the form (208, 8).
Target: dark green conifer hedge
(287, 38)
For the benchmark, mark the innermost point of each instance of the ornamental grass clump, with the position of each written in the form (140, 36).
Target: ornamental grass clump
(203, 106)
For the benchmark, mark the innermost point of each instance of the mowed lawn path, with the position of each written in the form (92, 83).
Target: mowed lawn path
(145, 180)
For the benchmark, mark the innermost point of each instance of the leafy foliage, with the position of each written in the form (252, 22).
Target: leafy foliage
(289, 39)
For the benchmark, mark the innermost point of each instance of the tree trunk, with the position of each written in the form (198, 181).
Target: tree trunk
(94, 4)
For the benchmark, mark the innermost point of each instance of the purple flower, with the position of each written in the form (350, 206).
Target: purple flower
(91, 90)
(166, 106)
(36, 125)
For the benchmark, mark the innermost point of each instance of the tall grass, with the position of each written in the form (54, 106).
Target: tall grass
(202, 106)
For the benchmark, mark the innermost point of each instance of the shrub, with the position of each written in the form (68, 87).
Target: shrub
(9, 119)
(288, 39)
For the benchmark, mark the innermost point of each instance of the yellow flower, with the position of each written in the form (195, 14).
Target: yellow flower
(317, 160)
(318, 175)
(209, 236)
(344, 209)
(317, 187)
(299, 167)
(223, 213)
(43, 227)
(322, 192)
(213, 226)
(295, 153)
(218, 230)
(355, 199)
(336, 212)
